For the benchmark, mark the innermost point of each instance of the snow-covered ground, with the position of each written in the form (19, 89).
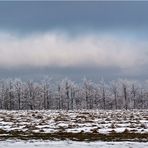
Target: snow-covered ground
(82, 121)
(75, 121)
(70, 144)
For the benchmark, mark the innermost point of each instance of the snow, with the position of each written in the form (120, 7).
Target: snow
(70, 144)
(75, 121)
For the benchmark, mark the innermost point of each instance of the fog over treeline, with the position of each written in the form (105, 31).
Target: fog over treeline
(66, 94)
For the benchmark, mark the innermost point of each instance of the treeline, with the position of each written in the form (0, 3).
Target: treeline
(68, 95)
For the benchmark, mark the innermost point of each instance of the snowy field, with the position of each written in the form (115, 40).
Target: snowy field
(75, 125)
(71, 144)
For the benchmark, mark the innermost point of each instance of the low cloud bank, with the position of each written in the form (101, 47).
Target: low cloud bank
(53, 49)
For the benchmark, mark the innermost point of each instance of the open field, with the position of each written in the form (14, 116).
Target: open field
(82, 125)
(70, 144)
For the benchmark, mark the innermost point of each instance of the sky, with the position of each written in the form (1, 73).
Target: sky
(74, 39)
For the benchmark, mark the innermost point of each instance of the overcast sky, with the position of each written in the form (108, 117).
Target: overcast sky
(74, 39)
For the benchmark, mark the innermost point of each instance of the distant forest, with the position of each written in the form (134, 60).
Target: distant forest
(68, 95)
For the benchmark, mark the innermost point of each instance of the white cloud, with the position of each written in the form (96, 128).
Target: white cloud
(60, 50)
